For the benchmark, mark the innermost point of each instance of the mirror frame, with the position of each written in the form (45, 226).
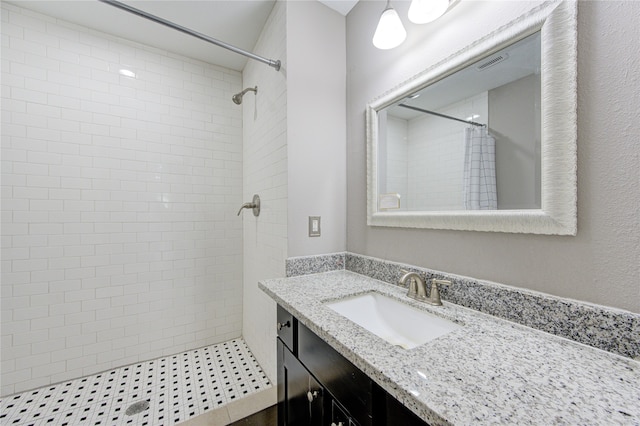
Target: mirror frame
(557, 22)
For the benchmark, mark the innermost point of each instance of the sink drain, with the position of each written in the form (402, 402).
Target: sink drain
(137, 407)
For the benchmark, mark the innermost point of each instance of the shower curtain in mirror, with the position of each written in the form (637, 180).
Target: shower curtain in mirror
(479, 169)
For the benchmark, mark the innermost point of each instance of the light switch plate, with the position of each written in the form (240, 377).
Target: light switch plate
(314, 226)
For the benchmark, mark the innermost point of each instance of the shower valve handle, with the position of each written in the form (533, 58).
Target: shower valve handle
(246, 206)
(254, 204)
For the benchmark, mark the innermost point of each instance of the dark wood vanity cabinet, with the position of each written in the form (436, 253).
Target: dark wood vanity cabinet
(318, 386)
(304, 396)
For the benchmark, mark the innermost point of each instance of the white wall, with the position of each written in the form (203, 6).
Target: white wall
(265, 174)
(119, 236)
(515, 124)
(601, 264)
(316, 118)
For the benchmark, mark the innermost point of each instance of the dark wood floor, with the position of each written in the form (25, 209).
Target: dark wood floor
(266, 417)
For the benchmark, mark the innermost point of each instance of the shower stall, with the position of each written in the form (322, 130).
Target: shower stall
(122, 173)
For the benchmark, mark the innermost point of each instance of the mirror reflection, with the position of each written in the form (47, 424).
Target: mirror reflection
(470, 141)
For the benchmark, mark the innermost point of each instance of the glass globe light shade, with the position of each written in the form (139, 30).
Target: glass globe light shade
(390, 32)
(423, 11)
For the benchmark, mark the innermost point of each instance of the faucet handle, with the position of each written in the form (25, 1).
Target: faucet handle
(434, 295)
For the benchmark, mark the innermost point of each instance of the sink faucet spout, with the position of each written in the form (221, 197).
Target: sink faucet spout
(417, 287)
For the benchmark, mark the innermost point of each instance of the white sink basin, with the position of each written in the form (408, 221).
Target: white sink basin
(396, 322)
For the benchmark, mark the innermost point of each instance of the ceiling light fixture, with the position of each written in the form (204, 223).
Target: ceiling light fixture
(423, 11)
(390, 32)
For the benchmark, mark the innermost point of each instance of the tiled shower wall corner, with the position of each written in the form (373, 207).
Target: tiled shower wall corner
(265, 173)
(120, 241)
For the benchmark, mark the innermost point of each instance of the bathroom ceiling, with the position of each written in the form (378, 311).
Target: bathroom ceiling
(236, 22)
(341, 6)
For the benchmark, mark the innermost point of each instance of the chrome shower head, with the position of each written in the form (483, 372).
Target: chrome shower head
(237, 98)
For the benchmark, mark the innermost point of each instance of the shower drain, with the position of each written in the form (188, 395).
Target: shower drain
(137, 407)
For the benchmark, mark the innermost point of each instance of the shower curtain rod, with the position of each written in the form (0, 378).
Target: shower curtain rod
(473, 123)
(271, 62)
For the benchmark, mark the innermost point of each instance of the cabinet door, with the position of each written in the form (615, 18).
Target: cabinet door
(340, 417)
(343, 380)
(300, 396)
(398, 414)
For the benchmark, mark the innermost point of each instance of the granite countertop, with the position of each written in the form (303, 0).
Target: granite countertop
(490, 371)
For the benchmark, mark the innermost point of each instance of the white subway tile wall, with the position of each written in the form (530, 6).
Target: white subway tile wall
(120, 241)
(397, 160)
(427, 172)
(265, 173)
(436, 183)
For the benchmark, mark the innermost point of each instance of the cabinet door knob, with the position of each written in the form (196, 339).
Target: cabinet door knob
(312, 395)
(283, 325)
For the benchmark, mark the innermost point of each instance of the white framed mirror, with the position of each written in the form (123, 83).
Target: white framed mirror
(485, 140)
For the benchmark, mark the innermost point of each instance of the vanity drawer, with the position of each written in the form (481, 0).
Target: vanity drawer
(341, 378)
(286, 327)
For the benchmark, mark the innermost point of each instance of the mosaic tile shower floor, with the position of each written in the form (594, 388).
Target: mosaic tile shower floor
(177, 388)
